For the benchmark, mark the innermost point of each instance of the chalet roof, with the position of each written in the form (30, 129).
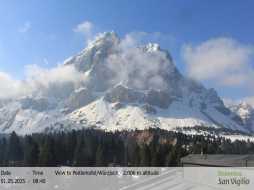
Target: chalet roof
(227, 160)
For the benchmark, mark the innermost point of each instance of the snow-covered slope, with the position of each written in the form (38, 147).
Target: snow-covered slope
(124, 88)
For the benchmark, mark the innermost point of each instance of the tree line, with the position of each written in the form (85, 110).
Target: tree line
(90, 147)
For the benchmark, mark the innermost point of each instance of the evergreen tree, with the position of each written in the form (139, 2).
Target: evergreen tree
(60, 150)
(3, 150)
(15, 152)
(171, 157)
(71, 143)
(133, 153)
(100, 156)
(31, 152)
(80, 156)
(90, 146)
(145, 158)
(47, 153)
(154, 151)
(137, 156)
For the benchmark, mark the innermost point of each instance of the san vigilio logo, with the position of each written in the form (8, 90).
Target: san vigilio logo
(232, 178)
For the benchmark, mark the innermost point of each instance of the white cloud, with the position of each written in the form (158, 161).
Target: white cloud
(25, 28)
(223, 61)
(11, 88)
(249, 100)
(135, 67)
(59, 74)
(85, 28)
(57, 82)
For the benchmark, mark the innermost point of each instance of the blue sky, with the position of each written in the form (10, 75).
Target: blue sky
(41, 32)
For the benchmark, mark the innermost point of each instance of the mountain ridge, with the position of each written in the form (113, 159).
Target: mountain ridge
(245, 111)
(124, 87)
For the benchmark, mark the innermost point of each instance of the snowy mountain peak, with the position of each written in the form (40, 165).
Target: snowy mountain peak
(151, 47)
(121, 88)
(245, 105)
(104, 39)
(241, 108)
(245, 111)
(96, 52)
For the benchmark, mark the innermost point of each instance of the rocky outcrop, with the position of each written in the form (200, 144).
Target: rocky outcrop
(38, 104)
(123, 94)
(79, 98)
